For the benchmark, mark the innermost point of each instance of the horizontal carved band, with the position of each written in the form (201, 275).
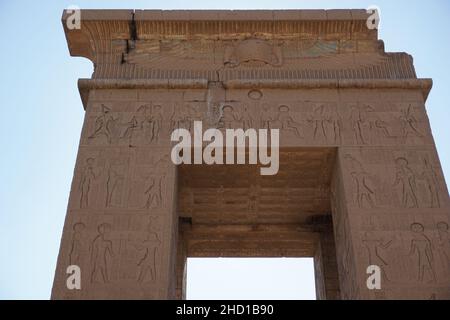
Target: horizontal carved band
(142, 84)
(424, 84)
(85, 85)
(330, 84)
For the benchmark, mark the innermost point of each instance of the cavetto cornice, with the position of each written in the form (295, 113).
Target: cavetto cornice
(238, 48)
(100, 25)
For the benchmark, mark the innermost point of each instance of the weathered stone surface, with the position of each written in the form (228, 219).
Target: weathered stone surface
(359, 184)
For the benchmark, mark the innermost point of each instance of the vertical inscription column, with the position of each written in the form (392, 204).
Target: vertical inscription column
(390, 205)
(121, 224)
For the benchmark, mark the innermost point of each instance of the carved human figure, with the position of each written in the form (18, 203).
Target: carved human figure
(134, 128)
(101, 248)
(153, 191)
(432, 183)
(76, 245)
(319, 121)
(246, 118)
(443, 245)
(214, 109)
(364, 191)
(286, 122)
(421, 248)
(147, 263)
(104, 125)
(181, 117)
(147, 123)
(375, 123)
(114, 178)
(357, 122)
(87, 178)
(375, 246)
(130, 128)
(406, 178)
(409, 123)
(326, 122)
(265, 117)
(228, 118)
(335, 121)
(155, 124)
(193, 111)
(155, 182)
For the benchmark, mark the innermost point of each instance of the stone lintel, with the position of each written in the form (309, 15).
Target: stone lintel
(241, 240)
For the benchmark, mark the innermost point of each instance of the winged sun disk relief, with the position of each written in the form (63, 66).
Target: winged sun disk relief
(186, 55)
(253, 51)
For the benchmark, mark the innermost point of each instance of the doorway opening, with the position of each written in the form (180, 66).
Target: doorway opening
(250, 278)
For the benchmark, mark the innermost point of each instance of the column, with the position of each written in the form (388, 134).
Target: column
(325, 265)
(390, 205)
(121, 223)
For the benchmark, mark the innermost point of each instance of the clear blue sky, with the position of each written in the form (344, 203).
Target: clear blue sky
(42, 116)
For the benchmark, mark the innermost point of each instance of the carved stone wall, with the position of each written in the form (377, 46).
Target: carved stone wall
(359, 183)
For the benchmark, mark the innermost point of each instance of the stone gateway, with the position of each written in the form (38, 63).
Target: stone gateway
(359, 182)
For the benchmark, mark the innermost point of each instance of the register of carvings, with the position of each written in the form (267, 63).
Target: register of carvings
(359, 183)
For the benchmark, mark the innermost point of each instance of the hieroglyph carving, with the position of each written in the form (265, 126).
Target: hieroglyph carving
(375, 247)
(105, 127)
(409, 123)
(431, 180)
(147, 263)
(326, 122)
(147, 124)
(406, 179)
(364, 191)
(101, 253)
(155, 183)
(114, 179)
(253, 53)
(443, 245)
(88, 176)
(421, 249)
(286, 122)
(76, 244)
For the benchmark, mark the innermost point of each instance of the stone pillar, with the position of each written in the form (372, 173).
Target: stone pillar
(121, 224)
(325, 267)
(181, 271)
(390, 203)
